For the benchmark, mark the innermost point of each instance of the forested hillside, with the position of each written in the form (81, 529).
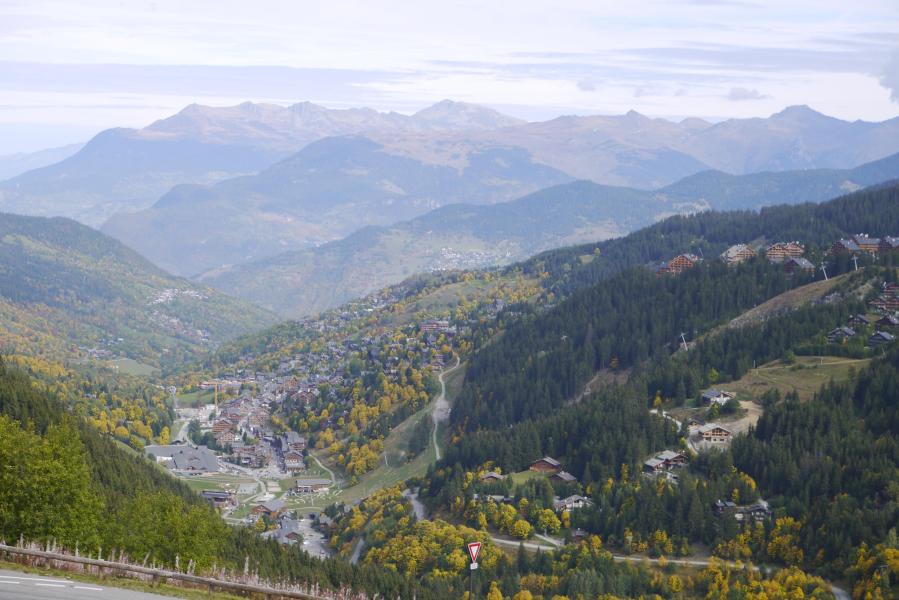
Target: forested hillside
(67, 291)
(874, 211)
(822, 472)
(66, 481)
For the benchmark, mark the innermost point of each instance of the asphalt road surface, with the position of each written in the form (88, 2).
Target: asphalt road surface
(27, 586)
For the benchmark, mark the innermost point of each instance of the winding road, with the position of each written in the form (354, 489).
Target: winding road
(441, 405)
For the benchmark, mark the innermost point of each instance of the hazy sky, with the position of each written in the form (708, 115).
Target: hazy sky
(70, 69)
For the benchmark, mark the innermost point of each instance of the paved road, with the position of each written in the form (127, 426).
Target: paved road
(26, 586)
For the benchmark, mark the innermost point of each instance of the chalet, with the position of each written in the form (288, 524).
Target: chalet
(678, 264)
(781, 251)
(859, 320)
(294, 462)
(888, 322)
(844, 246)
(793, 265)
(718, 397)
(737, 254)
(220, 498)
(714, 433)
(758, 511)
(867, 244)
(840, 334)
(492, 476)
(880, 338)
(664, 461)
(289, 532)
(571, 503)
(225, 437)
(271, 509)
(292, 442)
(222, 425)
(653, 465)
(545, 465)
(310, 486)
(563, 477)
(889, 244)
(673, 459)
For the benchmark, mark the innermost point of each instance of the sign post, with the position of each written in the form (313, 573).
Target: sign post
(474, 548)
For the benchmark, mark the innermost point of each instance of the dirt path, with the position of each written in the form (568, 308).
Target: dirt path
(441, 406)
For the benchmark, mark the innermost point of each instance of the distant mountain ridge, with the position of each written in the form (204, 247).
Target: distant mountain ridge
(301, 282)
(324, 192)
(16, 164)
(127, 169)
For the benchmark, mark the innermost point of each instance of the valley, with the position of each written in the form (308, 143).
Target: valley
(613, 389)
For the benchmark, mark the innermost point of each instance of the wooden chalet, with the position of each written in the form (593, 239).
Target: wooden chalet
(678, 264)
(792, 266)
(563, 477)
(738, 253)
(888, 322)
(844, 246)
(781, 251)
(840, 334)
(859, 320)
(719, 397)
(220, 498)
(889, 244)
(715, 434)
(547, 464)
(271, 509)
(222, 425)
(492, 476)
(880, 338)
(664, 461)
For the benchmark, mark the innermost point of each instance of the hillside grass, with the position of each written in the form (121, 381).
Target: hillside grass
(805, 376)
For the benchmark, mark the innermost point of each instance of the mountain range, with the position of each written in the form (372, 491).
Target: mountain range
(129, 169)
(298, 283)
(123, 170)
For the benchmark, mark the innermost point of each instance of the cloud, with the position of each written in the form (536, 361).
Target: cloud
(738, 94)
(890, 77)
(586, 86)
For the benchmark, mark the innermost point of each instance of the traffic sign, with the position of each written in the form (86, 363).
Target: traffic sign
(474, 548)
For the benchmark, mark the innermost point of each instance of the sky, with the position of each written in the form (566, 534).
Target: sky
(69, 70)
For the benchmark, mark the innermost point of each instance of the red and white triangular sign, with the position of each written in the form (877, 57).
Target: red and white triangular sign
(474, 549)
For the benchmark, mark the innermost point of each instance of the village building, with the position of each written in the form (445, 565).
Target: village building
(294, 462)
(492, 476)
(664, 461)
(888, 322)
(781, 251)
(288, 532)
(546, 464)
(271, 509)
(714, 433)
(719, 397)
(563, 477)
(840, 334)
(759, 511)
(220, 498)
(793, 265)
(678, 264)
(889, 244)
(310, 486)
(570, 503)
(737, 254)
(879, 338)
(185, 459)
(859, 320)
